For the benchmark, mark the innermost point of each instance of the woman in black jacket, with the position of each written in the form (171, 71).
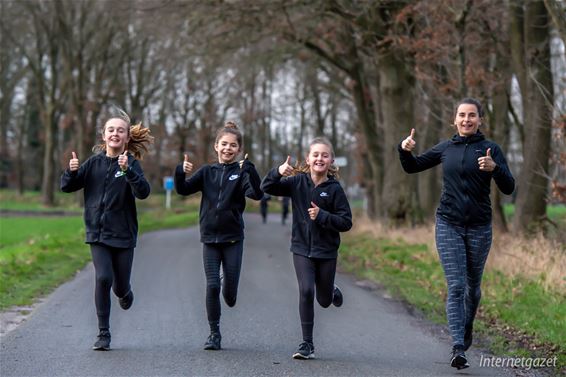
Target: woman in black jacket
(112, 179)
(224, 186)
(320, 212)
(463, 219)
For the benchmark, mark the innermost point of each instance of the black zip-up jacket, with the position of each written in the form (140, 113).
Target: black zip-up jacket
(465, 188)
(110, 208)
(319, 238)
(224, 189)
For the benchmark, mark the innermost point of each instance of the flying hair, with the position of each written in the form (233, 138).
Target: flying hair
(140, 136)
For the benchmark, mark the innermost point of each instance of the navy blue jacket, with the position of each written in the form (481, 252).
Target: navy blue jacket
(224, 189)
(319, 238)
(110, 208)
(465, 188)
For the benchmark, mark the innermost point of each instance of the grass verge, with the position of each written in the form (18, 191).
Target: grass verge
(37, 254)
(517, 316)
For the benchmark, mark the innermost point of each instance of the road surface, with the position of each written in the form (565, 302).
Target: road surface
(164, 331)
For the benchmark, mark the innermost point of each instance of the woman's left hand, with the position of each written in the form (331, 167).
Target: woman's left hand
(313, 211)
(486, 163)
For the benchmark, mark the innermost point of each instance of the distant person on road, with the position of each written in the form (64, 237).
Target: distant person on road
(263, 206)
(463, 219)
(112, 179)
(284, 209)
(320, 212)
(224, 186)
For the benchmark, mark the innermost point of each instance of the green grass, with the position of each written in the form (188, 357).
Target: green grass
(14, 230)
(39, 253)
(415, 275)
(554, 212)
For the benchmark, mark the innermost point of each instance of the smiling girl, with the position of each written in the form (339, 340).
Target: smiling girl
(320, 212)
(224, 186)
(112, 179)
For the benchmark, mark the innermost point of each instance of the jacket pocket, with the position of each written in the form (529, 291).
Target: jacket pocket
(116, 223)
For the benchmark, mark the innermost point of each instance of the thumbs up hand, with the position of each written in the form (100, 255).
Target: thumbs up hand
(409, 143)
(242, 161)
(486, 163)
(74, 163)
(123, 161)
(313, 211)
(286, 169)
(187, 166)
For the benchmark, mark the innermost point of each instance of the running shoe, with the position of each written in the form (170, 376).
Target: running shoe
(126, 301)
(458, 358)
(103, 341)
(337, 298)
(213, 342)
(305, 351)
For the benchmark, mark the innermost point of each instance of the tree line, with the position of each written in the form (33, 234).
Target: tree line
(363, 73)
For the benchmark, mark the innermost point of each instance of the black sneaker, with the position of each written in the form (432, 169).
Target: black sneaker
(468, 337)
(337, 298)
(103, 341)
(213, 341)
(305, 351)
(127, 301)
(458, 358)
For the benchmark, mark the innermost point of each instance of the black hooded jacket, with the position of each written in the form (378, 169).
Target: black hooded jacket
(465, 188)
(319, 238)
(224, 189)
(110, 208)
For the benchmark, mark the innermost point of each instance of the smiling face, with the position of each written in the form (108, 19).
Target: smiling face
(467, 119)
(115, 136)
(319, 159)
(227, 148)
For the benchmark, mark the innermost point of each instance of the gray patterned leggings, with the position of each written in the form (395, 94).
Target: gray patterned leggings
(229, 256)
(463, 252)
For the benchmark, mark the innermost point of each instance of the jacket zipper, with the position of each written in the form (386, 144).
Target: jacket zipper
(103, 200)
(219, 196)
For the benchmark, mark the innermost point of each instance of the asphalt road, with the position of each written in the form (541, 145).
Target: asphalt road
(164, 331)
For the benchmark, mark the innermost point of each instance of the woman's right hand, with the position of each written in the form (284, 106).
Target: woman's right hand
(74, 163)
(286, 170)
(409, 143)
(187, 166)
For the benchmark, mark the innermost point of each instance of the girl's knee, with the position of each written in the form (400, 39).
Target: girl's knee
(307, 293)
(103, 280)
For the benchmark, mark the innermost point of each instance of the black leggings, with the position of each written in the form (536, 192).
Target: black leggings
(229, 254)
(311, 273)
(112, 267)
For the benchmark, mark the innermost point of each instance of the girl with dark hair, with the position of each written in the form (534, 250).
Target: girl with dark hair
(224, 186)
(112, 179)
(320, 212)
(463, 219)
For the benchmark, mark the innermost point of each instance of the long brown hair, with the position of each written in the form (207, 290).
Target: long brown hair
(140, 137)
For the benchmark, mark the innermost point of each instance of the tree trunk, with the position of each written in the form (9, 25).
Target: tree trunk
(530, 207)
(397, 100)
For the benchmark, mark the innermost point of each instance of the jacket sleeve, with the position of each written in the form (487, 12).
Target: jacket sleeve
(252, 181)
(134, 176)
(340, 220)
(188, 186)
(72, 181)
(502, 175)
(427, 160)
(274, 184)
